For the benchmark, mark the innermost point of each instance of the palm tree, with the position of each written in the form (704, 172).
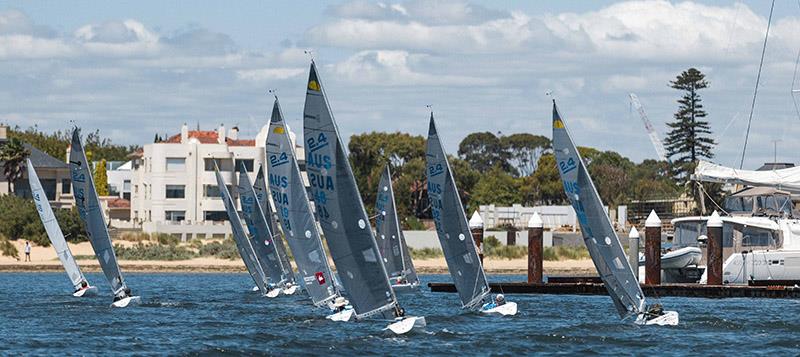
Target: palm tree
(13, 154)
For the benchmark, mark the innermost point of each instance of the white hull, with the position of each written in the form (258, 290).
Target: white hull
(135, 300)
(90, 291)
(678, 259)
(507, 309)
(405, 288)
(290, 290)
(342, 316)
(669, 318)
(255, 288)
(406, 324)
(273, 293)
(762, 265)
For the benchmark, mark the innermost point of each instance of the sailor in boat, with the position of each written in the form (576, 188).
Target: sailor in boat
(401, 280)
(125, 293)
(339, 304)
(84, 286)
(399, 312)
(654, 311)
(499, 300)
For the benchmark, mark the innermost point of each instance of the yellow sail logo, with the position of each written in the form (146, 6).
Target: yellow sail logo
(557, 124)
(313, 85)
(278, 130)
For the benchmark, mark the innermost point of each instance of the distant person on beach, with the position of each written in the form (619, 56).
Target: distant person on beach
(27, 251)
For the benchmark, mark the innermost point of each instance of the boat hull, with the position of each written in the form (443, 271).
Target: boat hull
(507, 309)
(342, 316)
(406, 324)
(128, 301)
(669, 318)
(405, 288)
(90, 291)
(762, 267)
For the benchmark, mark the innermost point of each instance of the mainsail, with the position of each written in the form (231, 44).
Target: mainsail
(598, 234)
(452, 227)
(89, 209)
(261, 237)
(390, 237)
(240, 238)
(260, 187)
(53, 230)
(294, 210)
(340, 209)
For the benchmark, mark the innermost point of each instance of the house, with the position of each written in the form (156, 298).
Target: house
(53, 173)
(174, 189)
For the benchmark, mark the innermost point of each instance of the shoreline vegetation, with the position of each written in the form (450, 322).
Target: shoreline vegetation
(142, 253)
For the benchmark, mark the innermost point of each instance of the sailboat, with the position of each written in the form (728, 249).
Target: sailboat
(391, 241)
(79, 282)
(243, 245)
(261, 237)
(297, 218)
(452, 227)
(342, 215)
(90, 212)
(260, 188)
(598, 234)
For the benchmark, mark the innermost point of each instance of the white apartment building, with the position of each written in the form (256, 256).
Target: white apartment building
(174, 189)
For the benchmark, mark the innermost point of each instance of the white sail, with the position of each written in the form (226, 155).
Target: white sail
(53, 230)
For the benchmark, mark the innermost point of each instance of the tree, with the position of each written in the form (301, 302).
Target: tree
(13, 154)
(483, 151)
(689, 136)
(466, 178)
(56, 144)
(524, 151)
(495, 187)
(101, 178)
(21, 221)
(548, 182)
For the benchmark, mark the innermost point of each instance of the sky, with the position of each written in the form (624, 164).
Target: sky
(133, 69)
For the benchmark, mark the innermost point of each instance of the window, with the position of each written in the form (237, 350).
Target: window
(49, 186)
(224, 164)
(66, 186)
(113, 190)
(176, 164)
(174, 216)
(212, 191)
(126, 186)
(216, 216)
(248, 164)
(176, 191)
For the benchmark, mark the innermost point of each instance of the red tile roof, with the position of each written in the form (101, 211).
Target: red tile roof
(119, 203)
(209, 137)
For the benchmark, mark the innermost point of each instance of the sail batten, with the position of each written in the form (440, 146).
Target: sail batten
(390, 237)
(261, 237)
(452, 227)
(341, 212)
(89, 209)
(243, 244)
(598, 234)
(295, 214)
(54, 232)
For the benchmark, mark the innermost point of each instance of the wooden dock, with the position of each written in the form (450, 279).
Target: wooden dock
(681, 290)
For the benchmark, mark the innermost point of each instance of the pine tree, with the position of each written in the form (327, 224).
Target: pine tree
(689, 137)
(101, 178)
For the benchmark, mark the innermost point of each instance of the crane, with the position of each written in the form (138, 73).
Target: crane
(662, 155)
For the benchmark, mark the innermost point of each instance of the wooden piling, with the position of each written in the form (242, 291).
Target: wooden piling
(535, 249)
(652, 249)
(476, 227)
(714, 250)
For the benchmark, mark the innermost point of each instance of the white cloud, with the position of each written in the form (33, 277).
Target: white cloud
(394, 68)
(267, 74)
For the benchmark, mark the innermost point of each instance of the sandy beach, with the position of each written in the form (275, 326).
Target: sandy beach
(45, 259)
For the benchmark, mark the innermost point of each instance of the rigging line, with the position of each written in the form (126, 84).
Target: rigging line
(702, 189)
(758, 79)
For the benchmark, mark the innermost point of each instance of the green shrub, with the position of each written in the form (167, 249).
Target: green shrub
(413, 223)
(7, 248)
(563, 252)
(506, 252)
(136, 237)
(142, 251)
(21, 221)
(166, 239)
(223, 250)
(425, 253)
(491, 242)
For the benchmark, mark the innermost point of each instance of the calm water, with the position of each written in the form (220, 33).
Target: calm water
(210, 314)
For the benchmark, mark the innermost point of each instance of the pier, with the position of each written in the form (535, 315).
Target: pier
(591, 286)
